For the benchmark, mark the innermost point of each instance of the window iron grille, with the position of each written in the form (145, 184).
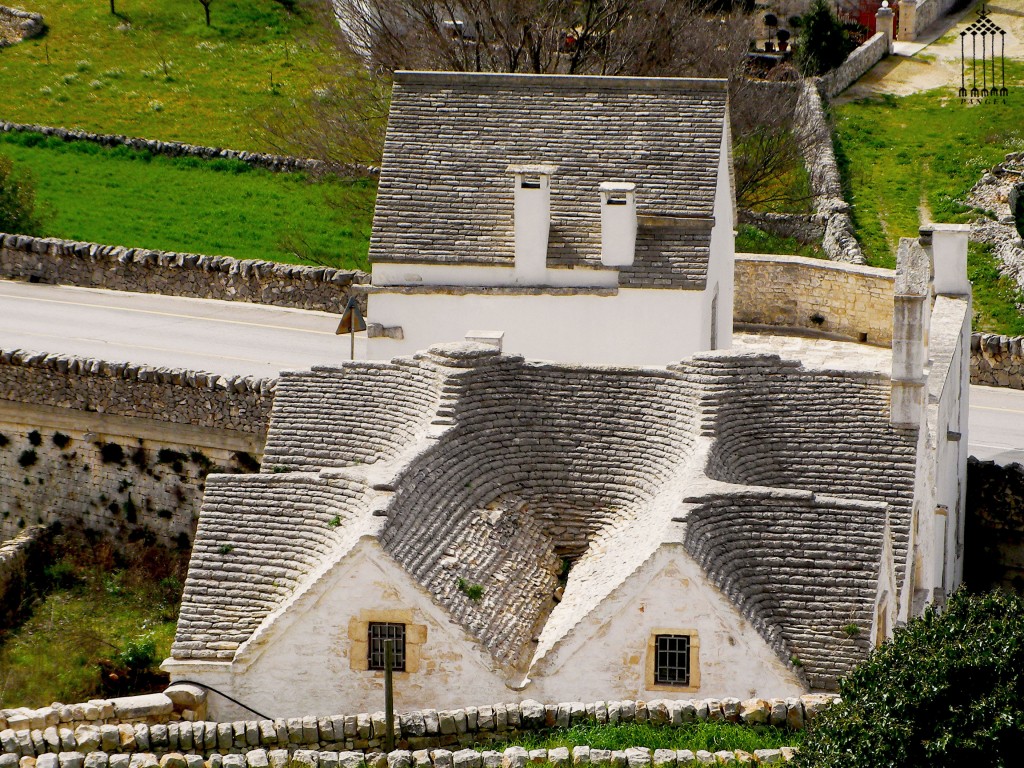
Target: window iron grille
(672, 662)
(381, 631)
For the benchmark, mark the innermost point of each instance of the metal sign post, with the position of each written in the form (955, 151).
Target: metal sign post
(351, 321)
(389, 696)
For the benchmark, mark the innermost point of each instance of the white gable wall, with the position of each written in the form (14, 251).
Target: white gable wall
(301, 664)
(605, 657)
(721, 262)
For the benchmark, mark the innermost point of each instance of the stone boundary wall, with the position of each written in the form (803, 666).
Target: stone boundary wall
(238, 403)
(278, 163)
(997, 361)
(867, 54)
(115, 267)
(22, 24)
(145, 725)
(848, 300)
(21, 559)
(927, 12)
(814, 137)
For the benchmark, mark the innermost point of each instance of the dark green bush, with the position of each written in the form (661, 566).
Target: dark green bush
(61, 440)
(822, 44)
(17, 200)
(947, 691)
(28, 458)
(138, 654)
(35, 438)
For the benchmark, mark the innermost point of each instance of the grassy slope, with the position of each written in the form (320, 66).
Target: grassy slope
(898, 155)
(107, 73)
(96, 604)
(127, 197)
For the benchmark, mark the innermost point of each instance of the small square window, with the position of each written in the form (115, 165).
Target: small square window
(381, 631)
(672, 661)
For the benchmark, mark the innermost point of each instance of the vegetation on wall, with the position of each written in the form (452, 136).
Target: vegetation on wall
(822, 42)
(946, 692)
(17, 200)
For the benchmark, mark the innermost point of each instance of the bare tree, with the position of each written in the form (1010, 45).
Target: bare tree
(206, 8)
(344, 121)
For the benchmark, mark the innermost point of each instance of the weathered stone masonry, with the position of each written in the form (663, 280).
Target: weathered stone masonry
(16, 25)
(119, 448)
(91, 265)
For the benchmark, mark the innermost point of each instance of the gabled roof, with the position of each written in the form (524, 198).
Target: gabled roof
(445, 193)
(779, 481)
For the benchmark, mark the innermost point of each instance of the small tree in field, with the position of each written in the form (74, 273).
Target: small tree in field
(823, 44)
(946, 692)
(206, 8)
(17, 200)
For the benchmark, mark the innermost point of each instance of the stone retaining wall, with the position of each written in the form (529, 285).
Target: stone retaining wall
(923, 14)
(152, 736)
(20, 562)
(236, 403)
(175, 148)
(997, 361)
(869, 53)
(91, 265)
(16, 25)
(848, 300)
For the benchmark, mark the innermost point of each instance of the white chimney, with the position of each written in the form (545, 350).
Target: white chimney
(949, 257)
(618, 223)
(531, 219)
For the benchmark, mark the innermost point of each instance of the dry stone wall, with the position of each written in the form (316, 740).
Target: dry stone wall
(117, 448)
(21, 559)
(172, 148)
(145, 731)
(17, 25)
(869, 53)
(848, 300)
(91, 265)
(997, 361)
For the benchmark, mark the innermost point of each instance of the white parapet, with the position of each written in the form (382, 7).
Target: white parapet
(618, 223)
(949, 256)
(531, 218)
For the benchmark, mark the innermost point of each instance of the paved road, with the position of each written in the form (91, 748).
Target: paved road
(225, 337)
(996, 429)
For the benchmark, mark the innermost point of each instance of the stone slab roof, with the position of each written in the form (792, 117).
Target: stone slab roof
(490, 470)
(445, 194)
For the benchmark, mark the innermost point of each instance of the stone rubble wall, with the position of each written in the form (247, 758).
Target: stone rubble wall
(796, 292)
(114, 267)
(928, 12)
(20, 562)
(140, 731)
(279, 163)
(60, 415)
(997, 192)
(17, 25)
(236, 403)
(814, 136)
(869, 53)
(997, 361)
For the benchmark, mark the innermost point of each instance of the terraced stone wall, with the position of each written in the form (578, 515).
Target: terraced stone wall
(21, 561)
(848, 300)
(91, 265)
(997, 361)
(120, 449)
(17, 25)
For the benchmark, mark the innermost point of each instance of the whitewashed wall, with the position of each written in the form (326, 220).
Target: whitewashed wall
(606, 655)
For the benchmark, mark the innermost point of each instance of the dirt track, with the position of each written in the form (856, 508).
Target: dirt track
(934, 60)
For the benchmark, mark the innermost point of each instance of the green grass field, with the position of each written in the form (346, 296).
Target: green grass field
(156, 70)
(96, 605)
(131, 198)
(711, 736)
(904, 158)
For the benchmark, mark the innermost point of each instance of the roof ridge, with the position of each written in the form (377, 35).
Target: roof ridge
(520, 80)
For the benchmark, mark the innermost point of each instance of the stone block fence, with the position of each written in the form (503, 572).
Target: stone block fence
(17, 25)
(115, 267)
(164, 730)
(271, 162)
(997, 361)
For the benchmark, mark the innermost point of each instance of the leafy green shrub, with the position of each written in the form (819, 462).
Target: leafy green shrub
(34, 438)
(470, 590)
(61, 440)
(17, 200)
(61, 575)
(823, 44)
(28, 458)
(139, 653)
(947, 690)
